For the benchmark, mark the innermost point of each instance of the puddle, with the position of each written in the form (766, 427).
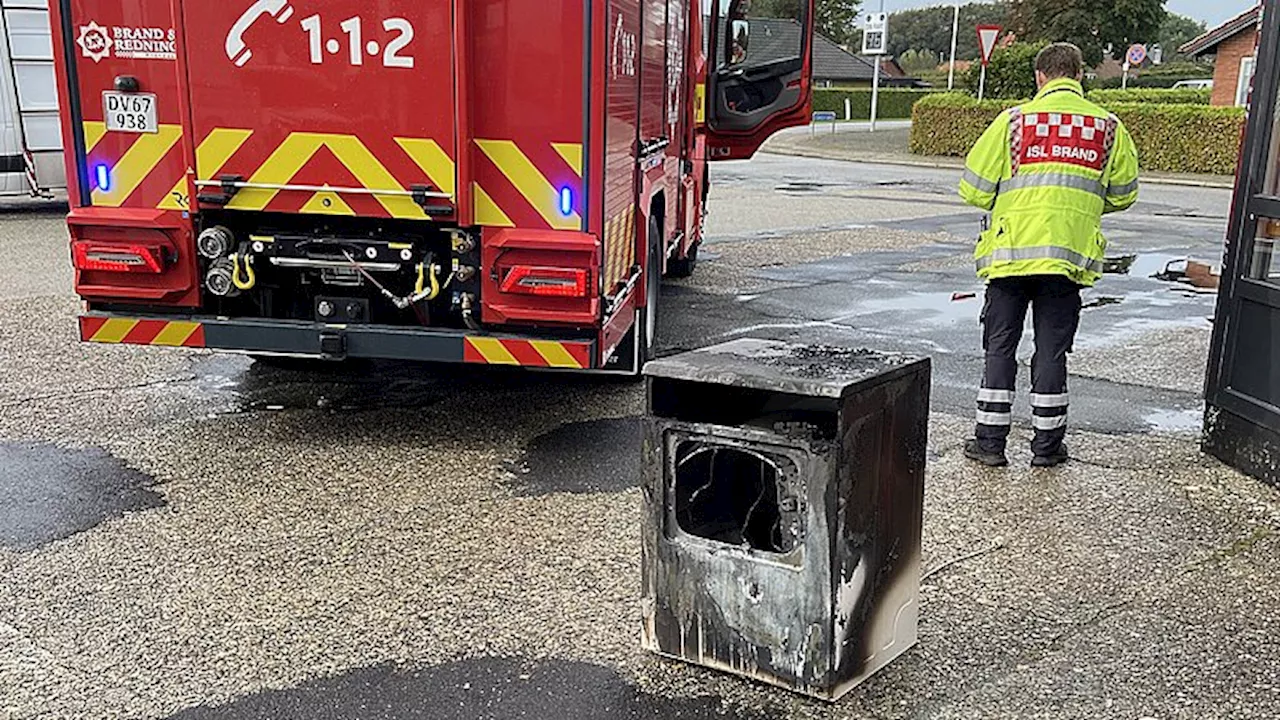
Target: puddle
(49, 494)
(473, 689)
(1176, 421)
(597, 456)
(1149, 265)
(939, 307)
(281, 385)
(798, 186)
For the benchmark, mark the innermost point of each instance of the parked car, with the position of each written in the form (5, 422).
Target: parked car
(1193, 85)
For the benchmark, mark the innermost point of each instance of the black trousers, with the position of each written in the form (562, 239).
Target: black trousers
(1055, 302)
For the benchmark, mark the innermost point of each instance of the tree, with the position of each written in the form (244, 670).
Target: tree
(915, 62)
(1012, 73)
(1094, 25)
(836, 20)
(1176, 31)
(929, 29)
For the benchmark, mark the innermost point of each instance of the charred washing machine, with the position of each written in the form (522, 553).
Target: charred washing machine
(784, 492)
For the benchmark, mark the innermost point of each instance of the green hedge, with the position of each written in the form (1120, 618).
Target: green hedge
(895, 104)
(950, 123)
(1185, 138)
(1170, 138)
(1152, 95)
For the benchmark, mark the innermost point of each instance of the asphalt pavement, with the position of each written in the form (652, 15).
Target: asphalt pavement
(197, 535)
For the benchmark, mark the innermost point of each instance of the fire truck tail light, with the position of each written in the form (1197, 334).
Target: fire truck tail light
(118, 258)
(546, 281)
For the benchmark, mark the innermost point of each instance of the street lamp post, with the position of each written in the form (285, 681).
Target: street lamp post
(875, 94)
(875, 83)
(955, 38)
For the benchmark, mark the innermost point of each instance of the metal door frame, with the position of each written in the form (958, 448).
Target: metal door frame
(1242, 430)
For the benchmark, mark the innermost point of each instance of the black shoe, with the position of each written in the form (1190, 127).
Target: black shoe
(1053, 460)
(973, 450)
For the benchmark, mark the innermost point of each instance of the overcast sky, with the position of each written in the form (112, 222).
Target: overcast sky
(1210, 11)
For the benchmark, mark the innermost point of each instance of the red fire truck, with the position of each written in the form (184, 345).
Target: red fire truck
(482, 181)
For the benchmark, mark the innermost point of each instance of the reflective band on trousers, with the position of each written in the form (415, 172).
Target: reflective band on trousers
(995, 396)
(976, 180)
(1053, 179)
(1049, 423)
(995, 419)
(1046, 252)
(1050, 401)
(1123, 190)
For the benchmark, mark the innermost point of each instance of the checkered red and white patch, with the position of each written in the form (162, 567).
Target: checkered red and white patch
(1079, 140)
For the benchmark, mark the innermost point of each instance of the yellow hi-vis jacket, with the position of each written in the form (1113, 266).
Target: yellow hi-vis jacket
(1047, 171)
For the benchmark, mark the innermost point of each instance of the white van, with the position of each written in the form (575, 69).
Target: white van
(30, 132)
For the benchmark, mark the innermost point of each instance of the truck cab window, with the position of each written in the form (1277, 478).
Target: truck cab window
(760, 42)
(776, 27)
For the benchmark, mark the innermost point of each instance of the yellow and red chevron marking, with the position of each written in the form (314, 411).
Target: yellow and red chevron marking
(141, 167)
(383, 169)
(519, 184)
(528, 353)
(212, 153)
(346, 161)
(160, 333)
(619, 248)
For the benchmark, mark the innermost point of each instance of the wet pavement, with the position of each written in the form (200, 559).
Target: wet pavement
(49, 493)
(202, 535)
(477, 689)
(559, 461)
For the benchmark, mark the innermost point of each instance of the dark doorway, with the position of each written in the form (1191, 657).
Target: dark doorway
(1242, 425)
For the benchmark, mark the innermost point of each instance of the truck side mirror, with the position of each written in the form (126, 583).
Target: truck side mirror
(738, 48)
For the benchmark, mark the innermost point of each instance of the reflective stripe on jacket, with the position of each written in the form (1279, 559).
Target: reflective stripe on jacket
(1047, 171)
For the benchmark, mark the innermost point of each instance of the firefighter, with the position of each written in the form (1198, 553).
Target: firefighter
(1047, 172)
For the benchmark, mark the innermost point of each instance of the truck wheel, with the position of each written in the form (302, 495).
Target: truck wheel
(684, 267)
(647, 328)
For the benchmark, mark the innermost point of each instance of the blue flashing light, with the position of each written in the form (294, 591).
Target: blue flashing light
(566, 201)
(103, 176)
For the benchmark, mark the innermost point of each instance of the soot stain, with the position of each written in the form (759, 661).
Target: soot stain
(49, 493)
(596, 456)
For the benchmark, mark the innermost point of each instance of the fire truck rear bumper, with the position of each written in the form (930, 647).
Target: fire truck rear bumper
(283, 337)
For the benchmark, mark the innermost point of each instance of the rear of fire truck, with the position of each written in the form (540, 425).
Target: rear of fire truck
(482, 181)
(400, 179)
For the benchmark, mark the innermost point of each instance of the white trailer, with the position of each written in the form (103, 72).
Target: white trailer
(30, 131)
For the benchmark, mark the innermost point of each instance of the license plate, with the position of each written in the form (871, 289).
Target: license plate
(130, 112)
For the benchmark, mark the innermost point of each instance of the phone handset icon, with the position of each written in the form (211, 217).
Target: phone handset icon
(237, 52)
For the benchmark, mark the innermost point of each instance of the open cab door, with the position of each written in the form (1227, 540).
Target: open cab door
(760, 73)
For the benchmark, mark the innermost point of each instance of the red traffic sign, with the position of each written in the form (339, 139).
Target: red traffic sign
(1137, 54)
(987, 37)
